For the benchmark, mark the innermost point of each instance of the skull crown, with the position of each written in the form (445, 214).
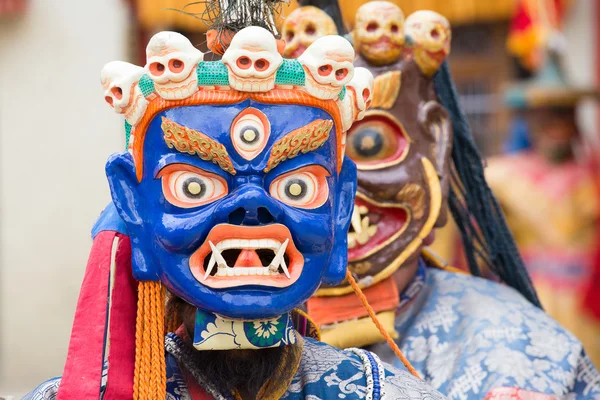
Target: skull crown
(252, 63)
(171, 64)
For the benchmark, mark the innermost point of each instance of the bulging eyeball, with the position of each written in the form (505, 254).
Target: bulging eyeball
(171, 63)
(252, 60)
(379, 32)
(328, 63)
(121, 92)
(429, 34)
(303, 26)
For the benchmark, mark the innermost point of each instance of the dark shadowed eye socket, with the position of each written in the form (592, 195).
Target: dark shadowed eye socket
(372, 26)
(376, 141)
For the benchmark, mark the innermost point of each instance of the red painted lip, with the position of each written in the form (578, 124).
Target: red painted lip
(383, 44)
(438, 56)
(223, 232)
(298, 52)
(388, 220)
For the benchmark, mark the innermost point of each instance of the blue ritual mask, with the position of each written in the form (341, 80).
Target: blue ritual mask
(240, 209)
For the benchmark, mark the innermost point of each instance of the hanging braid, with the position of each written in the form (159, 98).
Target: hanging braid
(150, 380)
(485, 234)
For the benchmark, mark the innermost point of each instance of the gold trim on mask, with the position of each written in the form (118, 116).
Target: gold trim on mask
(414, 195)
(386, 89)
(399, 126)
(435, 205)
(302, 140)
(186, 140)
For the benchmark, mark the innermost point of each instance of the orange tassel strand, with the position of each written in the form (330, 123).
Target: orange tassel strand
(150, 370)
(382, 330)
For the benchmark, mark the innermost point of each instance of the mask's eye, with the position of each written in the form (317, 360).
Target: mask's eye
(377, 141)
(304, 188)
(187, 187)
(250, 132)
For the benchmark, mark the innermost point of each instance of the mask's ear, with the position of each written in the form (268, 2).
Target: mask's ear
(336, 270)
(436, 122)
(124, 189)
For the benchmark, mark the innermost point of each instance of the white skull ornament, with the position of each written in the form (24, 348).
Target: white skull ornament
(328, 64)
(430, 35)
(171, 64)
(359, 95)
(303, 26)
(252, 60)
(379, 32)
(121, 91)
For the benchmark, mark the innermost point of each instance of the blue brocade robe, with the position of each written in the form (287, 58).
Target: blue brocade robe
(467, 335)
(324, 373)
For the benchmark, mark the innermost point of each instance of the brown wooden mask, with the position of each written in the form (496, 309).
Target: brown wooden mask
(402, 150)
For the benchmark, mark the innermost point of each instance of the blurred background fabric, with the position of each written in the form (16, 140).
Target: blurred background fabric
(12, 6)
(56, 132)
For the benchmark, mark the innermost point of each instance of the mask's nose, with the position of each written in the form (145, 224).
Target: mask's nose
(251, 216)
(252, 205)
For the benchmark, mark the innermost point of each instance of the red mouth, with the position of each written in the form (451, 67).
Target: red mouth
(298, 52)
(438, 56)
(234, 255)
(378, 226)
(382, 45)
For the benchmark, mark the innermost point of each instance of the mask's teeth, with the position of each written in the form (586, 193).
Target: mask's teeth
(356, 222)
(278, 261)
(217, 255)
(363, 236)
(285, 268)
(211, 265)
(372, 230)
(351, 240)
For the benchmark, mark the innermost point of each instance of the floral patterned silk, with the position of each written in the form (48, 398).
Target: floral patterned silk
(467, 336)
(324, 373)
(212, 332)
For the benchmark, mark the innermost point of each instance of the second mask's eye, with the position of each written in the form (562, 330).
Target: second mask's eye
(376, 142)
(250, 132)
(187, 187)
(303, 188)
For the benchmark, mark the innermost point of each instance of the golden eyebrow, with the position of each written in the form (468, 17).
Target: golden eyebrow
(386, 90)
(307, 138)
(186, 140)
